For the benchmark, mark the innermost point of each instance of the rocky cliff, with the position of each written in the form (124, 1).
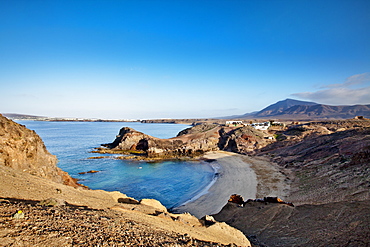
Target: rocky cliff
(191, 142)
(22, 149)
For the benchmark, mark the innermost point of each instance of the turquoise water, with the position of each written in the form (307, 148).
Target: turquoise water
(172, 183)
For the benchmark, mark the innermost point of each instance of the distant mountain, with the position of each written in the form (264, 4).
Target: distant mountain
(282, 106)
(296, 109)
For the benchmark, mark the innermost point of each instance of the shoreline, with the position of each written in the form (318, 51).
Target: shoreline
(205, 190)
(235, 176)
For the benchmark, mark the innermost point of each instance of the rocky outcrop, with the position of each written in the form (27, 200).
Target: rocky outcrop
(186, 145)
(22, 149)
(243, 140)
(191, 142)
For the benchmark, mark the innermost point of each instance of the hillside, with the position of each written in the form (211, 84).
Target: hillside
(327, 166)
(22, 116)
(23, 149)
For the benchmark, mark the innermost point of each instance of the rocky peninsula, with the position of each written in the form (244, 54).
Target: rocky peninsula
(189, 143)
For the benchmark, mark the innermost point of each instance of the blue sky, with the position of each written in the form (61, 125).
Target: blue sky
(180, 59)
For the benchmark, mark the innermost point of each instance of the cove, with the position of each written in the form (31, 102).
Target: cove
(170, 182)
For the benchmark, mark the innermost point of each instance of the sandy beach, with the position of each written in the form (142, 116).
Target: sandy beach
(235, 177)
(238, 174)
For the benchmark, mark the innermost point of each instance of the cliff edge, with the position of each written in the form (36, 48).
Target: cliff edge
(22, 149)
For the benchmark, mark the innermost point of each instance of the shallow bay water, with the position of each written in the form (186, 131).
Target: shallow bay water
(170, 182)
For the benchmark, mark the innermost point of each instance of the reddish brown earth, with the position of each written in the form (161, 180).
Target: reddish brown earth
(327, 165)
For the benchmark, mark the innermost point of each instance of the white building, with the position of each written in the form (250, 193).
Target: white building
(261, 126)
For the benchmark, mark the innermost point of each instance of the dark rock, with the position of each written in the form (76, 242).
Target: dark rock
(207, 220)
(238, 199)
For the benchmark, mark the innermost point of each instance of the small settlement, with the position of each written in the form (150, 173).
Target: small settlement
(259, 126)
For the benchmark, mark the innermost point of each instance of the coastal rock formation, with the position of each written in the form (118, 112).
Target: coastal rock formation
(22, 149)
(191, 142)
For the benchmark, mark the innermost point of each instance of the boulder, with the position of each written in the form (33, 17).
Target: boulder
(154, 204)
(207, 220)
(238, 199)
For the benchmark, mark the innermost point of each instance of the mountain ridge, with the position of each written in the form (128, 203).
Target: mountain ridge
(296, 109)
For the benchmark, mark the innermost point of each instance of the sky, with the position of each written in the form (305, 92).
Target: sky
(145, 59)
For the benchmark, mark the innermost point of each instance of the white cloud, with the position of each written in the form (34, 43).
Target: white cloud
(342, 93)
(357, 79)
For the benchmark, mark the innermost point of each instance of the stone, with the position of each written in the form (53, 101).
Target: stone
(128, 200)
(238, 199)
(207, 220)
(19, 215)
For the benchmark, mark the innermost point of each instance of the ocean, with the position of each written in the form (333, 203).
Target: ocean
(171, 182)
